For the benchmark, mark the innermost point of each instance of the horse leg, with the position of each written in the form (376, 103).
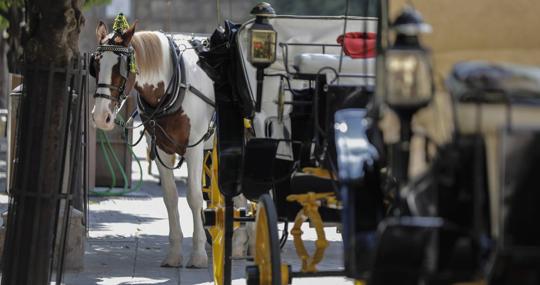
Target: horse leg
(240, 235)
(194, 158)
(170, 197)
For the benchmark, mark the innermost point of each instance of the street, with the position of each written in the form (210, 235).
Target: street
(128, 238)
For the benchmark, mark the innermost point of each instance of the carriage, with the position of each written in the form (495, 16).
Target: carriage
(305, 142)
(265, 133)
(302, 109)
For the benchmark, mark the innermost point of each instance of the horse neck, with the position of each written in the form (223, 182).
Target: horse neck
(154, 63)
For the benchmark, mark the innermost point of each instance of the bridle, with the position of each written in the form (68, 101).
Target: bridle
(126, 60)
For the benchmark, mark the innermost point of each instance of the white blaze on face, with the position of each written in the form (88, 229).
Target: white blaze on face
(103, 113)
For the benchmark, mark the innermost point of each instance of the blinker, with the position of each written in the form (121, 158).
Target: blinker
(92, 65)
(124, 67)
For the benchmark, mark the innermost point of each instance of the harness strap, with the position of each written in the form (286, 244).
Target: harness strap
(156, 155)
(120, 90)
(110, 86)
(106, 96)
(153, 145)
(171, 101)
(208, 134)
(198, 93)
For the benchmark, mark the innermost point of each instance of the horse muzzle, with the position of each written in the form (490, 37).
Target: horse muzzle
(103, 119)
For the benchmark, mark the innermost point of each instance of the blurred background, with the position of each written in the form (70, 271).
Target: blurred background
(192, 16)
(195, 16)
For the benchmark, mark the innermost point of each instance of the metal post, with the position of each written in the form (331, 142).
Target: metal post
(402, 148)
(260, 79)
(38, 191)
(229, 228)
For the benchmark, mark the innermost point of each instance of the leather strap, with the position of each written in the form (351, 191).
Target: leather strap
(120, 90)
(106, 96)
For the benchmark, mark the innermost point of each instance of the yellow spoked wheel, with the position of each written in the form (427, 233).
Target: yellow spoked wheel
(207, 186)
(267, 268)
(214, 217)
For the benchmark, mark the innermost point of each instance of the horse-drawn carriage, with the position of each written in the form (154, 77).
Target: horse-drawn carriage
(301, 104)
(316, 145)
(283, 149)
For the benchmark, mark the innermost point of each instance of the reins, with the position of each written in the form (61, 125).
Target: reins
(205, 137)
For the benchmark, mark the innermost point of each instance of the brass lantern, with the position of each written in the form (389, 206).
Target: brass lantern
(262, 37)
(408, 68)
(407, 82)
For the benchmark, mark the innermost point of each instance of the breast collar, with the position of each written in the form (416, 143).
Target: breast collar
(171, 101)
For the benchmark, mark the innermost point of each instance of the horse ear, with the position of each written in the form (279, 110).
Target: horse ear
(129, 34)
(101, 32)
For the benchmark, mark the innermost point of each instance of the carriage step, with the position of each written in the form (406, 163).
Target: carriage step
(206, 196)
(244, 219)
(209, 217)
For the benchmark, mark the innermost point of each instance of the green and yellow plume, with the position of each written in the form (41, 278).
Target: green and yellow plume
(120, 24)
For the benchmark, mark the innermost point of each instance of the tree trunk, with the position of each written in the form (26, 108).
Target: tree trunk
(3, 75)
(52, 42)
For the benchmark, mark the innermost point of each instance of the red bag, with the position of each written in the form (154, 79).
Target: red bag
(359, 45)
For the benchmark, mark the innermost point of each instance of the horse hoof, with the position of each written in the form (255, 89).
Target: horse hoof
(198, 261)
(172, 261)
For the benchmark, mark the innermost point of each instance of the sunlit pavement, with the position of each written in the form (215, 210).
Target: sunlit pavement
(128, 238)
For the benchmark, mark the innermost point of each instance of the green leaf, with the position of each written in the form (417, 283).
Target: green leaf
(90, 3)
(3, 24)
(4, 7)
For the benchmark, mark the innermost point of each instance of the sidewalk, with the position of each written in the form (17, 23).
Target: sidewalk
(128, 238)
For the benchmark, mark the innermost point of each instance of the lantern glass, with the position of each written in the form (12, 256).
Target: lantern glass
(409, 79)
(263, 46)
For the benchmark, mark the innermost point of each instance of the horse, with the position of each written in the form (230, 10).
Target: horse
(148, 61)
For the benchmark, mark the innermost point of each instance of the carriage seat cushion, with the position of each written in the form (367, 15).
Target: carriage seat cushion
(486, 82)
(311, 64)
(302, 183)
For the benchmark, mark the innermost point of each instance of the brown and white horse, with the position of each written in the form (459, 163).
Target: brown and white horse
(155, 68)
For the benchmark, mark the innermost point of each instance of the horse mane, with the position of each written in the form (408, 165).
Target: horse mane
(148, 52)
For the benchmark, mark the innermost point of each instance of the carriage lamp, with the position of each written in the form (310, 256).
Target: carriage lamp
(407, 80)
(262, 37)
(408, 70)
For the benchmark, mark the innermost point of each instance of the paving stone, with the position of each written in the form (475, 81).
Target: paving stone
(128, 239)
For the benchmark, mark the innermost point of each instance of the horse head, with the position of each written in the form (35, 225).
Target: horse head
(113, 66)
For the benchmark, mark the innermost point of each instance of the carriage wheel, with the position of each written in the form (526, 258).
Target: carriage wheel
(216, 232)
(208, 237)
(207, 188)
(219, 226)
(267, 268)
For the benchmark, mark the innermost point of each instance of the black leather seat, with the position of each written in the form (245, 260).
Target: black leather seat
(485, 82)
(302, 183)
